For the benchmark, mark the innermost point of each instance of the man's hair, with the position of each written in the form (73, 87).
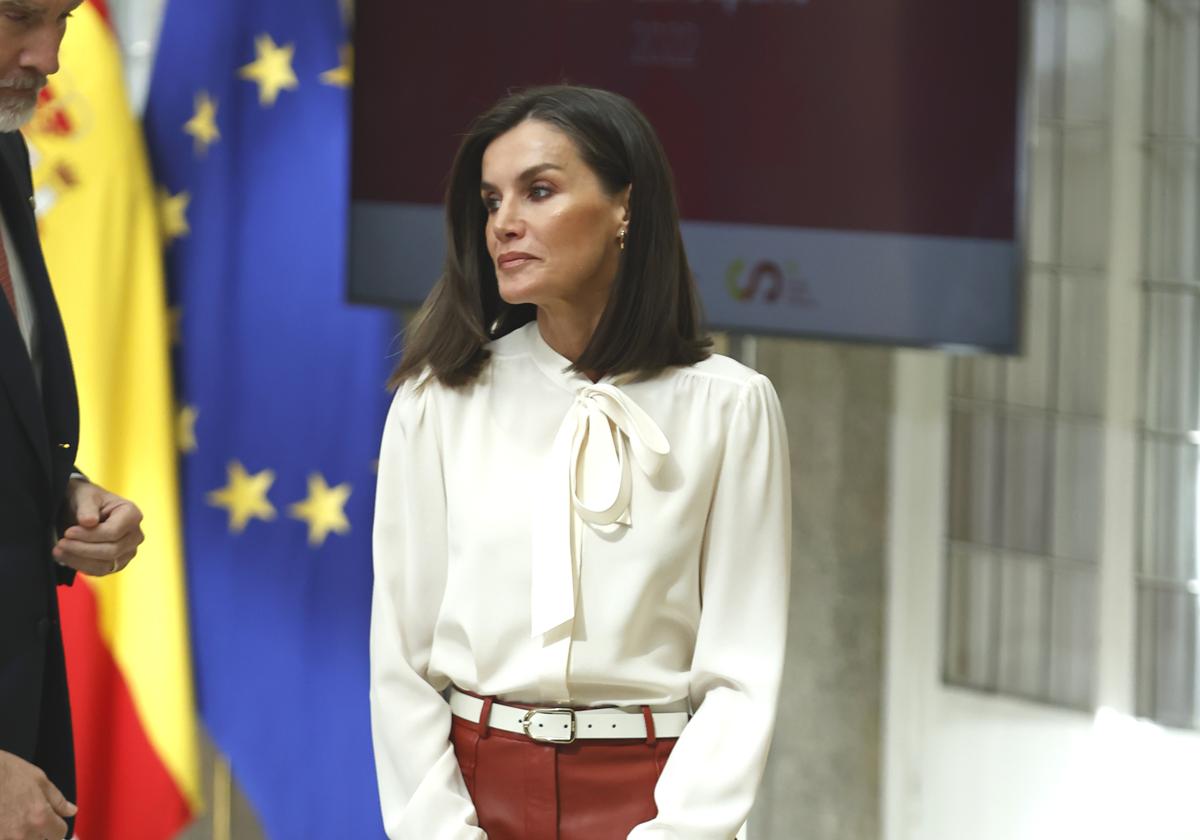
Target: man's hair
(652, 318)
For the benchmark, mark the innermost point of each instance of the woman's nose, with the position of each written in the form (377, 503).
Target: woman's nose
(506, 221)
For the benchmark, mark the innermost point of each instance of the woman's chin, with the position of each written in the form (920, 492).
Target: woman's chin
(514, 293)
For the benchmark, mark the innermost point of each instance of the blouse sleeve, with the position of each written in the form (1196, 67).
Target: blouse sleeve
(421, 789)
(709, 782)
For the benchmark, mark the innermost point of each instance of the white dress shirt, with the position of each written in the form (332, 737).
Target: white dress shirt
(26, 314)
(552, 541)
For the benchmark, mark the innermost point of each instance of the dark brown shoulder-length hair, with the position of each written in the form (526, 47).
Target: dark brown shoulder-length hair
(652, 318)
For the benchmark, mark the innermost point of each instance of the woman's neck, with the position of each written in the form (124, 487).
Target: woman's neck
(567, 331)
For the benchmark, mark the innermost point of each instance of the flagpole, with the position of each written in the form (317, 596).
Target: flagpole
(222, 799)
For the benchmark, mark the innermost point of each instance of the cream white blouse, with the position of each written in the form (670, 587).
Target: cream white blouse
(549, 540)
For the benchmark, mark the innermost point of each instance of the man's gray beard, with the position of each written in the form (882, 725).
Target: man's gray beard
(16, 112)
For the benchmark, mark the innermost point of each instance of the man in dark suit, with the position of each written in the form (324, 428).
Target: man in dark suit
(53, 521)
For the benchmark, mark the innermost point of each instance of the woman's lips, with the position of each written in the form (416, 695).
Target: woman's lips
(515, 259)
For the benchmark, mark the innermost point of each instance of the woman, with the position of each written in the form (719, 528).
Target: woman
(582, 526)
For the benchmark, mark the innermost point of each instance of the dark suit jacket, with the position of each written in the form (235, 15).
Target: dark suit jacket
(38, 436)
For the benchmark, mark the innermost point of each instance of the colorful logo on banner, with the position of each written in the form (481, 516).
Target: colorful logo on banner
(768, 282)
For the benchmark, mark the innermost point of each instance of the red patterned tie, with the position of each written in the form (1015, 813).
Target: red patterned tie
(6, 278)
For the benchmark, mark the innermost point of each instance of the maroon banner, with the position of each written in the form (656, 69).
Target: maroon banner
(894, 116)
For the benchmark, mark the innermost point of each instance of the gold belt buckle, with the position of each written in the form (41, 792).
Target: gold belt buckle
(527, 724)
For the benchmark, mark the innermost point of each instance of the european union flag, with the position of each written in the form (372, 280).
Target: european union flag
(281, 400)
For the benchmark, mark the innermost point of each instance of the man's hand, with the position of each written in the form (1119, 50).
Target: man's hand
(104, 530)
(31, 808)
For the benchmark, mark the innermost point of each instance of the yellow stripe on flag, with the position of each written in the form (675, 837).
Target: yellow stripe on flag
(100, 233)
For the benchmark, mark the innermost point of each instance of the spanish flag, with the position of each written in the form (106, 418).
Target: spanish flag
(126, 636)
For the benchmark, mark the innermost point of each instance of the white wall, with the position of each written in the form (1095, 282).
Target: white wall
(964, 765)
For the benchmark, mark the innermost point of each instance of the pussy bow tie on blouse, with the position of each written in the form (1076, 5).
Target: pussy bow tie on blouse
(588, 474)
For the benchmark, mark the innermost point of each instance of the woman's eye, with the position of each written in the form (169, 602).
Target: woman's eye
(540, 191)
(491, 203)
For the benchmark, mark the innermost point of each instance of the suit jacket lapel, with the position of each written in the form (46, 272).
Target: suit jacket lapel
(16, 373)
(46, 415)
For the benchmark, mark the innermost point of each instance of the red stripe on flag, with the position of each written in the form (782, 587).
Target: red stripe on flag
(124, 790)
(102, 8)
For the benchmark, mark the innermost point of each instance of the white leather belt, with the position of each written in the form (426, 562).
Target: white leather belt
(562, 726)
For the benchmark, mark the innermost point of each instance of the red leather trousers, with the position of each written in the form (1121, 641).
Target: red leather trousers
(588, 790)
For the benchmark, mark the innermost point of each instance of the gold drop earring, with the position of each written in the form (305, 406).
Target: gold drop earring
(621, 236)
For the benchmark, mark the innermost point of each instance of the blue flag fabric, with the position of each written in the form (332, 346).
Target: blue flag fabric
(282, 400)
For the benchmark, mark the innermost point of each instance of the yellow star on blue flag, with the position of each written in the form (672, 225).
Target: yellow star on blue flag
(343, 74)
(271, 70)
(203, 123)
(324, 510)
(244, 496)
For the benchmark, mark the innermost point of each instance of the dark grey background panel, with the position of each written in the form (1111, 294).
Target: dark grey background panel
(925, 291)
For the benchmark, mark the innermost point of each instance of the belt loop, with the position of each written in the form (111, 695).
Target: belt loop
(649, 717)
(485, 717)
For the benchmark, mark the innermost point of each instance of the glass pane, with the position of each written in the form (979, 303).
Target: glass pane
(1173, 362)
(1081, 348)
(1169, 513)
(1028, 376)
(1045, 195)
(974, 460)
(1087, 42)
(1048, 31)
(1160, 228)
(1158, 25)
(1177, 70)
(1025, 483)
(1023, 627)
(1171, 211)
(1073, 636)
(1167, 678)
(1156, 35)
(970, 617)
(1083, 218)
(1078, 490)
(1186, 73)
(978, 378)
